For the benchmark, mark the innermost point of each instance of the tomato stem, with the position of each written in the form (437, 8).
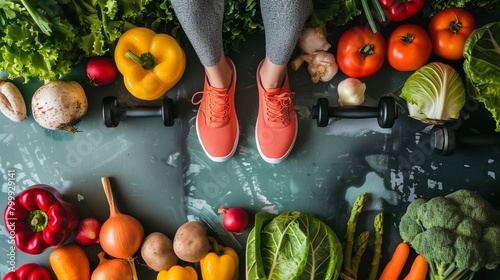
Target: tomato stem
(407, 39)
(367, 50)
(455, 26)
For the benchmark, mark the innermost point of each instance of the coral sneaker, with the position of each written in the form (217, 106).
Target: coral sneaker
(276, 128)
(216, 122)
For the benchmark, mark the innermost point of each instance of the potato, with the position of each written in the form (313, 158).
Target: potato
(157, 251)
(191, 242)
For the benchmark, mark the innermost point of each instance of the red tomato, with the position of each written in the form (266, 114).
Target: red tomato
(408, 47)
(360, 52)
(449, 29)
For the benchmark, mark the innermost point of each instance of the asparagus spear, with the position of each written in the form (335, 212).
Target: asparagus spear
(351, 229)
(378, 224)
(359, 250)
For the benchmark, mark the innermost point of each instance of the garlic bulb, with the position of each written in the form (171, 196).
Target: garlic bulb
(322, 66)
(351, 92)
(313, 39)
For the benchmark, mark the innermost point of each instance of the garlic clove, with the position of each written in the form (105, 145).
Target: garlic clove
(12, 103)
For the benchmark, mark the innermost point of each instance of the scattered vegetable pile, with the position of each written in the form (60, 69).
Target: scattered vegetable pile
(458, 234)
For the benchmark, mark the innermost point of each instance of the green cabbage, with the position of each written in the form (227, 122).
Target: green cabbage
(292, 245)
(434, 93)
(482, 67)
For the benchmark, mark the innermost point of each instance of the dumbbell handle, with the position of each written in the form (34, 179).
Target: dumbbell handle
(357, 112)
(142, 112)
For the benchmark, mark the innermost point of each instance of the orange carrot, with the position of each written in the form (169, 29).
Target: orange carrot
(394, 267)
(70, 262)
(418, 270)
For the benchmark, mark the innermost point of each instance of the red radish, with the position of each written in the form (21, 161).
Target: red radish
(87, 232)
(235, 219)
(101, 71)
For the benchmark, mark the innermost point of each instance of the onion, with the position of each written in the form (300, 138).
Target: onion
(235, 219)
(101, 71)
(351, 92)
(87, 232)
(121, 235)
(322, 66)
(114, 269)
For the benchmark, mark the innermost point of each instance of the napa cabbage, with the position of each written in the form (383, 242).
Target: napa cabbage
(435, 93)
(482, 68)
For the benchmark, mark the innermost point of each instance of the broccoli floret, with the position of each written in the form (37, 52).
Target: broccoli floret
(436, 244)
(439, 212)
(469, 228)
(490, 238)
(468, 253)
(457, 234)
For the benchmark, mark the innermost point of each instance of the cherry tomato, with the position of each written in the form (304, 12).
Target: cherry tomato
(408, 47)
(449, 29)
(360, 52)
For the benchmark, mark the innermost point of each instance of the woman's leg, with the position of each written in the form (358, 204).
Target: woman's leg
(201, 20)
(216, 121)
(276, 127)
(283, 22)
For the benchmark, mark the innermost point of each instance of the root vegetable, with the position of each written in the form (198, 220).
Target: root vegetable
(351, 92)
(111, 269)
(191, 242)
(70, 262)
(235, 219)
(87, 232)
(312, 39)
(101, 71)
(322, 66)
(59, 105)
(120, 235)
(158, 252)
(12, 104)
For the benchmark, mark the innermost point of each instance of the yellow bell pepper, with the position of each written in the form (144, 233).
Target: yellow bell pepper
(150, 63)
(178, 272)
(221, 263)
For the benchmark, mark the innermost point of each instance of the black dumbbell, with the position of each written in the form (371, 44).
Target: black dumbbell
(113, 113)
(386, 112)
(444, 140)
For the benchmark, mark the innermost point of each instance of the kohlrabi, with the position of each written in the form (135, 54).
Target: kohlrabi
(434, 93)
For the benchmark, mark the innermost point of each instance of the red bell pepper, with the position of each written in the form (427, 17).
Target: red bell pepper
(400, 10)
(38, 218)
(29, 271)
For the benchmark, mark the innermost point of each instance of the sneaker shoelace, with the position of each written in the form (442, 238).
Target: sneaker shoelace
(216, 106)
(278, 107)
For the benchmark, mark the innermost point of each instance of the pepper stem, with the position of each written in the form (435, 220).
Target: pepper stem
(38, 220)
(146, 60)
(215, 247)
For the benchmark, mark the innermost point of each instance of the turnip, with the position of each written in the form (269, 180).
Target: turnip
(59, 105)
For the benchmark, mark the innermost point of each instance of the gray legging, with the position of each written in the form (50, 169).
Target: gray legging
(202, 23)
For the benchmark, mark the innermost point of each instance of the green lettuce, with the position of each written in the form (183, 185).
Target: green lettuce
(482, 67)
(292, 245)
